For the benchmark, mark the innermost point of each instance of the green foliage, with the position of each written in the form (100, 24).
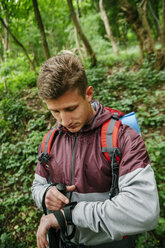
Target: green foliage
(15, 74)
(156, 148)
(13, 117)
(22, 130)
(19, 158)
(119, 82)
(139, 89)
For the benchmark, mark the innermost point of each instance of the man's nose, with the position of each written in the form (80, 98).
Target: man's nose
(65, 119)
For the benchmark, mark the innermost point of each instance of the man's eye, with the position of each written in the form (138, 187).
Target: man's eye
(71, 109)
(55, 111)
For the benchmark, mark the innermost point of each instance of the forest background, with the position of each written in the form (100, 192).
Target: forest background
(122, 46)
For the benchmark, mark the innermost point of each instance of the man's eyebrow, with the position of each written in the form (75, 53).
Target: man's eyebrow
(66, 108)
(72, 106)
(51, 109)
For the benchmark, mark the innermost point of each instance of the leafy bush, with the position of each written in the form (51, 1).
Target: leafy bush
(16, 75)
(19, 159)
(22, 129)
(13, 116)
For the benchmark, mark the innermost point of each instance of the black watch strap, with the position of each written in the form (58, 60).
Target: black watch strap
(68, 212)
(61, 220)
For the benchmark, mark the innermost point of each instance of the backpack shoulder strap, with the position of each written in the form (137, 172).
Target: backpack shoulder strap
(109, 136)
(47, 143)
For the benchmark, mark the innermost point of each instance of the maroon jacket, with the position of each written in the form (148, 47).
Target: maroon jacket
(76, 158)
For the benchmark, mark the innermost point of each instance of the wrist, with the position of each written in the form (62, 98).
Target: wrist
(44, 195)
(52, 221)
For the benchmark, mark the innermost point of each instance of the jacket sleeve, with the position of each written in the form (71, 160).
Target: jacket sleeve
(136, 208)
(40, 183)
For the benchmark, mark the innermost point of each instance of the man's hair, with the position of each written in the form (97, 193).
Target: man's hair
(59, 74)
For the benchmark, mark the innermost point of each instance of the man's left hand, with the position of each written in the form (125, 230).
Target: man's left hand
(46, 223)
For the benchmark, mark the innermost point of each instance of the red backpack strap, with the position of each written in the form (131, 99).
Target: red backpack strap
(109, 136)
(47, 143)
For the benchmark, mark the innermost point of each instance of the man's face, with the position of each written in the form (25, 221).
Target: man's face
(71, 109)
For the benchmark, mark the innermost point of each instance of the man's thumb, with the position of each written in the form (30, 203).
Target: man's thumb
(70, 188)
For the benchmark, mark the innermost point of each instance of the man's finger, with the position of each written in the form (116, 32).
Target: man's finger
(56, 206)
(70, 188)
(42, 242)
(41, 238)
(63, 198)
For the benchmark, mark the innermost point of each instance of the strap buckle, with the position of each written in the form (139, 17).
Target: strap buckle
(117, 152)
(114, 190)
(44, 159)
(115, 116)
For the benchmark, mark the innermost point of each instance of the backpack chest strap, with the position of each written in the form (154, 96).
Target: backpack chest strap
(109, 137)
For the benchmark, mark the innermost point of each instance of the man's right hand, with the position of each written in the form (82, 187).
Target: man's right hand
(55, 200)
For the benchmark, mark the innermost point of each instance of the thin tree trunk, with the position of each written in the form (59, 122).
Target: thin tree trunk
(81, 34)
(142, 31)
(5, 85)
(143, 9)
(141, 52)
(108, 28)
(1, 58)
(76, 34)
(41, 28)
(4, 45)
(163, 25)
(78, 44)
(18, 43)
(5, 37)
(156, 20)
(133, 19)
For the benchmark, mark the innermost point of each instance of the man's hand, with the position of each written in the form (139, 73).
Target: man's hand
(55, 200)
(46, 222)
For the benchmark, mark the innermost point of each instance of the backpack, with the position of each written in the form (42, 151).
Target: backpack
(109, 138)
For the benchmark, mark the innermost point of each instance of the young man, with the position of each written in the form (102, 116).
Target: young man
(78, 162)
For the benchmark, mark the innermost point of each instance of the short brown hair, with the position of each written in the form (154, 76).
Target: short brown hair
(59, 74)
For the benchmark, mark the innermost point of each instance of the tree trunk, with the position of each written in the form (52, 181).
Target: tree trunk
(81, 34)
(160, 58)
(143, 11)
(1, 58)
(141, 52)
(107, 27)
(143, 32)
(41, 28)
(18, 43)
(4, 45)
(133, 19)
(5, 37)
(163, 25)
(156, 20)
(76, 34)
(78, 45)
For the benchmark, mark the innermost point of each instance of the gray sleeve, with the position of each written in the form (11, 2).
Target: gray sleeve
(134, 210)
(40, 184)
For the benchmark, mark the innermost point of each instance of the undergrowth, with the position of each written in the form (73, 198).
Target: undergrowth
(127, 87)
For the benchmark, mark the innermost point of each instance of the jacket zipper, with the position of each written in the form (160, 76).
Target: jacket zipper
(72, 167)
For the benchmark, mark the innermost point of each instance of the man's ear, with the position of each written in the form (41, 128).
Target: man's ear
(89, 93)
